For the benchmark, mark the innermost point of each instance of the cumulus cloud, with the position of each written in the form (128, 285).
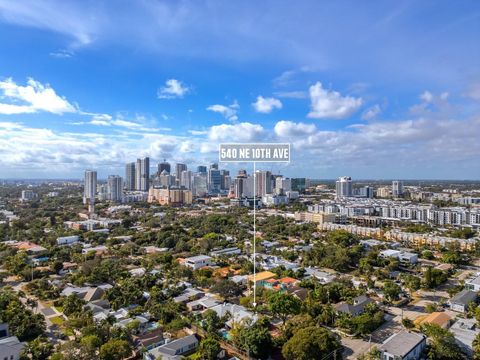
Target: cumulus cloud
(292, 94)
(266, 105)
(371, 112)
(229, 112)
(290, 129)
(244, 131)
(173, 89)
(327, 104)
(32, 98)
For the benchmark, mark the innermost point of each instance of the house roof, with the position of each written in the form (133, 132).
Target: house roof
(175, 346)
(358, 305)
(464, 297)
(264, 275)
(438, 318)
(400, 344)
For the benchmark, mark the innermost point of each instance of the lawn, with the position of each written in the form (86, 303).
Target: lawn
(57, 320)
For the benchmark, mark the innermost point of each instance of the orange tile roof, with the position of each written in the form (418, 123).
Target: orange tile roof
(438, 318)
(264, 275)
(288, 280)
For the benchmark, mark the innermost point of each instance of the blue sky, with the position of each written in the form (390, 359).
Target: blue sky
(374, 89)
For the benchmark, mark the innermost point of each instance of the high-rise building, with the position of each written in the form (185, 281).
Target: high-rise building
(142, 174)
(186, 179)
(366, 192)
(298, 184)
(202, 169)
(343, 187)
(165, 179)
(178, 171)
(164, 166)
(200, 187)
(263, 183)
(214, 180)
(397, 188)
(90, 187)
(28, 195)
(282, 185)
(115, 188)
(170, 196)
(130, 176)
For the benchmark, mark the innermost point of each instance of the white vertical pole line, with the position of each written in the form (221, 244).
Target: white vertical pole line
(254, 234)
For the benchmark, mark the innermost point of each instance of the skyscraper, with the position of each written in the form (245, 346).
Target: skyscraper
(142, 174)
(214, 180)
(397, 188)
(200, 187)
(263, 183)
(130, 176)
(164, 166)
(202, 169)
(186, 179)
(178, 171)
(114, 188)
(343, 187)
(90, 187)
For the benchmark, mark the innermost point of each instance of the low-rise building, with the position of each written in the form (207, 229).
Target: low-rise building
(197, 262)
(356, 308)
(462, 300)
(403, 346)
(465, 331)
(173, 350)
(473, 284)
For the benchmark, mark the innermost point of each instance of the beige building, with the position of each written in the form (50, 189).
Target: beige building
(170, 196)
(318, 218)
(384, 192)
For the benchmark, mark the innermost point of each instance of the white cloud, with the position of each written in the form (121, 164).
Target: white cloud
(173, 89)
(371, 112)
(266, 105)
(32, 98)
(473, 91)
(289, 129)
(244, 131)
(327, 104)
(426, 96)
(229, 112)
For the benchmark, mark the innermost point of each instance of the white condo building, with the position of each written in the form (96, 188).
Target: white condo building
(142, 174)
(343, 187)
(90, 187)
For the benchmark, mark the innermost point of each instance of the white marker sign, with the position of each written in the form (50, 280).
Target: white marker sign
(254, 153)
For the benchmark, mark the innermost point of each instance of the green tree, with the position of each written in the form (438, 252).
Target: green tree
(476, 347)
(255, 339)
(72, 305)
(309, 344)
(115, 349)
(212, 322)
(226, 289)
(209, 349)
(391, 290)
(283, 305)
(38, 349)
(442, 343)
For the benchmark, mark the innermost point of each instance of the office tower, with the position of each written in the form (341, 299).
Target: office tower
(202, 169)
(114, 188)
(263, 183)
(214, 166)
(178, 171)
(397, 189)
(366, 192)
(186, 179)
(242, 173)
(164, 166)
(200, 187)
(225, 174)
(282, 185)
(343, 187)
(130, 176)
(142, 175)
(165, 179)
(298, 184)
(90, 187)
(214, 180)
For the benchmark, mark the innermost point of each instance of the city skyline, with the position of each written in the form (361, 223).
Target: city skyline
(376, 91)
